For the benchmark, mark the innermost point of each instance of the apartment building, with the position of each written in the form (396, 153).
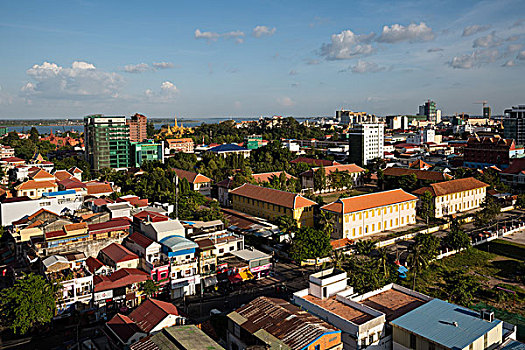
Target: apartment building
(514, 124)
(366, 142)
(107, 141)
(455, 196)
(371, 213)
(138, 128)
(270, 204)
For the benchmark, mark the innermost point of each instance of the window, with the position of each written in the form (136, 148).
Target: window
(221, 250)
(412, 341)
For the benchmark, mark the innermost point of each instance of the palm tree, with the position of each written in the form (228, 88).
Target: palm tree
(417, 260)
(338, 258)
(382, 259)
(365, 247)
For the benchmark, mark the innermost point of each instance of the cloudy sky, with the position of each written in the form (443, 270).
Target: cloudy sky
(251, 58)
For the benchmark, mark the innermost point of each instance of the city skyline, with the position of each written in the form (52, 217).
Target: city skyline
(64, 59)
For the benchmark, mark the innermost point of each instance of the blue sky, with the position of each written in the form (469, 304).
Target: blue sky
(249, 58)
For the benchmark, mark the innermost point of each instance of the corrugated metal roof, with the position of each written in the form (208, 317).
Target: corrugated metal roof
(436, 321)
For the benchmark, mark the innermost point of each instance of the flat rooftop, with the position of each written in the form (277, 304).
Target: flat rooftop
(340, 309)
(393, 303)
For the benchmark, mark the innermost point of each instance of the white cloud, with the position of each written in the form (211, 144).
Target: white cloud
(80, 81)
(489, 40)
(509, 63)
(260, 31)
(474, 29)
(210, 36)
(137, 68)
(168, 91)
(521, 55)
(168, 87)
(366, 67)
(411, 33)
(213, 36)
(286, 101)
(347, 45)
(163, 65)
(293, 72)
(473, 60)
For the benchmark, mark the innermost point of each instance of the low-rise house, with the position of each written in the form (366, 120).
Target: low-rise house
(185, 337)
(148, 318)
(441, 325)
(152, 260)
(96, 267)
(455, 196)
(119, 210)
(350, 175)
(184, 265)
(230, 149)
(363, 319)
(35, 189)
(198, 182)
(277, 324)
(185, 145)
(363, 215)
(76, 281)
(223, 191)
(270, 204)
(120, 289)
(117, 257)
(159, 230)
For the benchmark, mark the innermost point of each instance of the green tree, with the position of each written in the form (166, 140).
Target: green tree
(417, 261)
(287, 224)
(429, 245)
(520, 202)
(309, 243)
(456, 237)
(150, 130)
(149, 287)
(34, 135)
(381, 259)
(461, 287)
(325, 222)
(427, 207)
(365, 247)
(319, 179)
(30, 302)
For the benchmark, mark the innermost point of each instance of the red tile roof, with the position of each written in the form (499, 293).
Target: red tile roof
(140, 239)
(41, 174)
(93, 264)
(153, 216)
(94, 188)
(340, 243)
(120, 278)
(369, 201)
(266, 177)
(62, 175)
(151, 312)
(71, 183)
(12, 160)
(123, 327)
(314, 162)
(118, 253)
(117, 224)
(452, 186)
(516, 167)
(270, 195)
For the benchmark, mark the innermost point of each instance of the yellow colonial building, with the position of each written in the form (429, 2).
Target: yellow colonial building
(371, 213)
(269, 203)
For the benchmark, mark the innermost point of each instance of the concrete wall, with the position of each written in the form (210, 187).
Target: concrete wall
(90, 248)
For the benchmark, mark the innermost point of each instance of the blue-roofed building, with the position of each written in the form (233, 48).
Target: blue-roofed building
(184, 269)
(230, 148)
(441, 325)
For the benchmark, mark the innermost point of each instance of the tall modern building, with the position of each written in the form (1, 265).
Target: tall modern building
(429, 110)
(366, 142)
(146, 151)
(107, 142)
(138, 125)
(514, 124)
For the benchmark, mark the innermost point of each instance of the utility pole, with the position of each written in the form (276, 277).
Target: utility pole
(176, 180)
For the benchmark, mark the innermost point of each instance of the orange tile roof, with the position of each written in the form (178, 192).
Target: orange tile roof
(98, 188)
(33, 185)
(351, 168)
(193, 178)
(62, 175)
(40, 175)
(74, 227)
(369, 201)
(340, 243)
(40, 211)
(265, 177)
(452, 186)
(419, 164)
(270, 195)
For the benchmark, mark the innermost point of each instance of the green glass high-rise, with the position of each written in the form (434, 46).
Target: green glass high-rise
(107, 142)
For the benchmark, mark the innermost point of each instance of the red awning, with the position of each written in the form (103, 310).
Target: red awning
(235, 278)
